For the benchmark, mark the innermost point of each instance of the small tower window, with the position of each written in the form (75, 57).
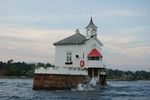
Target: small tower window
(87, 30)
(93, 31)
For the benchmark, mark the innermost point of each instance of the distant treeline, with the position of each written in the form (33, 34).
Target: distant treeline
(127, 75)
(11, 68)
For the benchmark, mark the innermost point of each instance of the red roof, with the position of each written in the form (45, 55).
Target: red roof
(95, 53)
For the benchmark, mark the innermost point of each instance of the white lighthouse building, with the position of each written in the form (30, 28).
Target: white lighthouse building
(79, 50)
(76, 58)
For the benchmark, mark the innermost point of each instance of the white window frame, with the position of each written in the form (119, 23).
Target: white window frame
(69, 57)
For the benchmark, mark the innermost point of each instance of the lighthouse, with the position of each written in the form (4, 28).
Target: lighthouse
(83, 52)
(78, 58)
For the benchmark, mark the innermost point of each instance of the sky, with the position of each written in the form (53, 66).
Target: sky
(28, 29)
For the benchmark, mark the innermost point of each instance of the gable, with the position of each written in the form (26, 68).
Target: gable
(96, 40)
(95, 53)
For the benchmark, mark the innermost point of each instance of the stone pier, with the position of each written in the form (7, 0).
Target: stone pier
(56, 81)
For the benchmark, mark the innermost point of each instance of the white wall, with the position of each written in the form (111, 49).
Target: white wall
(60, 55)
(61, 50)
(91, 44)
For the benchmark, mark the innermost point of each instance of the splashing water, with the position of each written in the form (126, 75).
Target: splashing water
(90, 85)
(93, 81)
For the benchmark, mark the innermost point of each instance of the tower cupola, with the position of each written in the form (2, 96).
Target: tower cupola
(91, 30)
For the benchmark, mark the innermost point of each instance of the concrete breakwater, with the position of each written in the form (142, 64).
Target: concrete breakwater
(58, 78)
(56, 81)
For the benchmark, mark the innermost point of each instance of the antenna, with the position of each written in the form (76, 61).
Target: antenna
(91, 13)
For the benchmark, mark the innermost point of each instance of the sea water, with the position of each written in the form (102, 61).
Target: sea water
(21, 89)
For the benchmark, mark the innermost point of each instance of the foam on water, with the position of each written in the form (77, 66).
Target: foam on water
(90, 85)
(93, 81)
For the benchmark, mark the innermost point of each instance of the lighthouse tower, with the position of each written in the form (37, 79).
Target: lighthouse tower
(91, 30)
(94, 62)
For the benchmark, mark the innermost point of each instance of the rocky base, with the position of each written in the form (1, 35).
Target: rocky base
(57, 81)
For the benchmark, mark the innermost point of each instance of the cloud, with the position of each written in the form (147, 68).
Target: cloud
(35, 45)
(30, 44)
(128, 47)
(29, 18)
(122, 13)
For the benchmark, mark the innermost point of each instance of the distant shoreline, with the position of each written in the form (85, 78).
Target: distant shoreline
(127, 80)
(22, 77)
(15, 77)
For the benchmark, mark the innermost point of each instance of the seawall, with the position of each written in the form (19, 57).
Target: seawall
(57, 81)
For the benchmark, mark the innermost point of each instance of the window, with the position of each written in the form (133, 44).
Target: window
(93, 58)
(93, 31)
(87, 30)
(68, 58)
(77, 56)
(83, 55)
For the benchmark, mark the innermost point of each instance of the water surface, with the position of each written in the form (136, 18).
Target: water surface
(21, 89)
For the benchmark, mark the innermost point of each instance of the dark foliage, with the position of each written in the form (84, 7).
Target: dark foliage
(11, 68)
(128, 75)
